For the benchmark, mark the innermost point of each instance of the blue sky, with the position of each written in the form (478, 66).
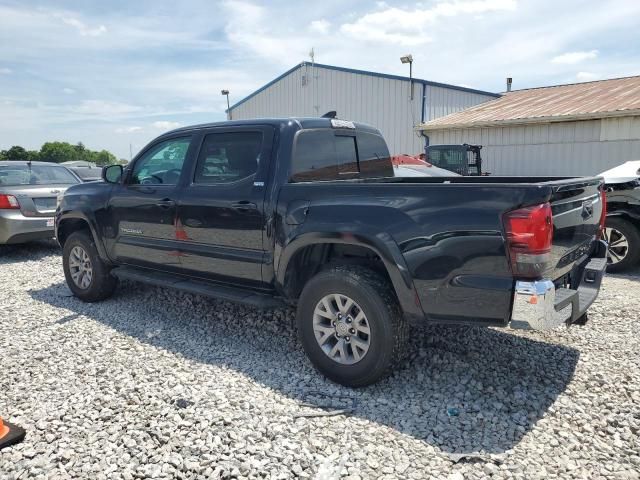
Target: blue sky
(116, 73)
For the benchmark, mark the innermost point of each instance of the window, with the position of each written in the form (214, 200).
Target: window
(374, 156)
(162, 164)
(228, 157)
(323, 155)
(25, 174)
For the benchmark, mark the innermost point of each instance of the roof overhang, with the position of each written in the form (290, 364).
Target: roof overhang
(528, 121)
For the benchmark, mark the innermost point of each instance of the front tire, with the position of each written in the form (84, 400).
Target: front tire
(88, 277)
(624, 244)
(351, 325)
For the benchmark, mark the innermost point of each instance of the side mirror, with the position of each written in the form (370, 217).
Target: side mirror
(112, 173)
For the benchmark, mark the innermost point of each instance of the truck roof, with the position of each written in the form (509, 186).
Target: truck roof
(300, 122)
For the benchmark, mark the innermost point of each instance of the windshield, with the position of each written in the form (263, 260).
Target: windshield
(14, 175)
(87, 174)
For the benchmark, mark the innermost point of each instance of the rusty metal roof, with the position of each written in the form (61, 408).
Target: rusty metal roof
(577, 101)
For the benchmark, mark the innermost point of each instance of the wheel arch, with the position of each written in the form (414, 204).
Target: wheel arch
(309, 253)
(77, 221)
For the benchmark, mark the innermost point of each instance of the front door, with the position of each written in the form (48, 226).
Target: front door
(220, 212)
(142, 210)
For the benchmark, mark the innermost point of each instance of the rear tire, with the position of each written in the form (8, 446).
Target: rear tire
(88, 277)
(624, 244)
(361, 358)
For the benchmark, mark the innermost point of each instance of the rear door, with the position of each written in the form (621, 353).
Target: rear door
(142, 210)
(221, 217)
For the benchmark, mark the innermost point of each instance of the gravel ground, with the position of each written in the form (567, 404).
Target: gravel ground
(159, 384)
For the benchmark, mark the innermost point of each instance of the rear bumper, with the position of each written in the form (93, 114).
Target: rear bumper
(16, 228)
(539, 305)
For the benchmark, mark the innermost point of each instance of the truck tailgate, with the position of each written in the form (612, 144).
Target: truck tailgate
(576, 206)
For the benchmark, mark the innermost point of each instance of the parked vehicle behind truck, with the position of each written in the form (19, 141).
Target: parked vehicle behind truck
(622, 229)
(307, 213)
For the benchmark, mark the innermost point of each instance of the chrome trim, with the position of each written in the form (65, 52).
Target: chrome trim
(534, 306)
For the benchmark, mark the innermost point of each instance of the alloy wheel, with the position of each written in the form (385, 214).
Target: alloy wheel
(80, 267)
(341, 329)
(618, 245)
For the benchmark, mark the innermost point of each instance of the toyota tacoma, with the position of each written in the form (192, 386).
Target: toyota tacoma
(306, 212)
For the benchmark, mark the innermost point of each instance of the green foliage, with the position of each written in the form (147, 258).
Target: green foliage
(59, 152)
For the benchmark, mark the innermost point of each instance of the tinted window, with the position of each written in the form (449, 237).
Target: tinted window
(162, 164)
(228, 157)
(13, 175)
(374, 156)
(322, 155)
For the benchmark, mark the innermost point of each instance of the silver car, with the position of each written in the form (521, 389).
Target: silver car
(28, 198)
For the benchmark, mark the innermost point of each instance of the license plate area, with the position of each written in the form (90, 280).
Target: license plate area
(45, 204)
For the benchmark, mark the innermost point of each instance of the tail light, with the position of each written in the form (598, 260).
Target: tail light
(8, 202)
(603, 214)
(529, 234)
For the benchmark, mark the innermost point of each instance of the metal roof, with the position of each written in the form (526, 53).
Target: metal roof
(576, 101)
(360, 72)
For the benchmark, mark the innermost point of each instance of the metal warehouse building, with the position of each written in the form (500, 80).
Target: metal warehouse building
(381, 100)
(576, 129)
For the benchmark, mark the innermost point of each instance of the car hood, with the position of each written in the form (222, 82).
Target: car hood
(626, 172)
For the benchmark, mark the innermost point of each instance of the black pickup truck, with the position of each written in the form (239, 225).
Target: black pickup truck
(307, 213)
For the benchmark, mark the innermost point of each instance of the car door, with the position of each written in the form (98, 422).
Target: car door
(142, 209)
(220, 213)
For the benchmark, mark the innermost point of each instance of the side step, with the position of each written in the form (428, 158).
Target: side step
(199, 287)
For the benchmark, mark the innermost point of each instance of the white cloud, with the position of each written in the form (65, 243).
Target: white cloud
(165, 125)
(411, 27)
(571, 58)
(103, 108)
(586, 76)
(320, 26)
(5, 71)
(132, 129)
(68, 91)
(82, 28)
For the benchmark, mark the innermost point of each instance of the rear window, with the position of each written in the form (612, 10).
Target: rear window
(329, 155)
(375, 160)
(15, 175)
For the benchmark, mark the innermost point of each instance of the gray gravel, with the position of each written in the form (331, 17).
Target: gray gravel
(159, 384)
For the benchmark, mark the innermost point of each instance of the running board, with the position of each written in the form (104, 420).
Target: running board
(199, 287)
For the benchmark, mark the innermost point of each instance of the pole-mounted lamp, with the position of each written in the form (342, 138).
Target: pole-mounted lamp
(226, 93)
(408, 58)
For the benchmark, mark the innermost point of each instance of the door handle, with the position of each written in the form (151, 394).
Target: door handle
(166, 203)
(244, 206)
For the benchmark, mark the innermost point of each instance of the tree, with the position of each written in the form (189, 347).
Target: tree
(104, 157)
(16, 153)
(58, 152)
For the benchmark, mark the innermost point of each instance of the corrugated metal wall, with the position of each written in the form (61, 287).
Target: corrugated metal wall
(382, 102)
(566, 148)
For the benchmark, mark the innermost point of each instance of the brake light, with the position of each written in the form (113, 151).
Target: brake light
(603, 214)
(529, 233)
(8, 202)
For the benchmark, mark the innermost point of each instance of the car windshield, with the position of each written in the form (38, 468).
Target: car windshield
(15, 175)
(88, 173)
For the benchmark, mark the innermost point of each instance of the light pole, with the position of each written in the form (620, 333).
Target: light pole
(408, 58)
(226, 93)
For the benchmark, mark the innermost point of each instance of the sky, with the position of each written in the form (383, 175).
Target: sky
(116, 74)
